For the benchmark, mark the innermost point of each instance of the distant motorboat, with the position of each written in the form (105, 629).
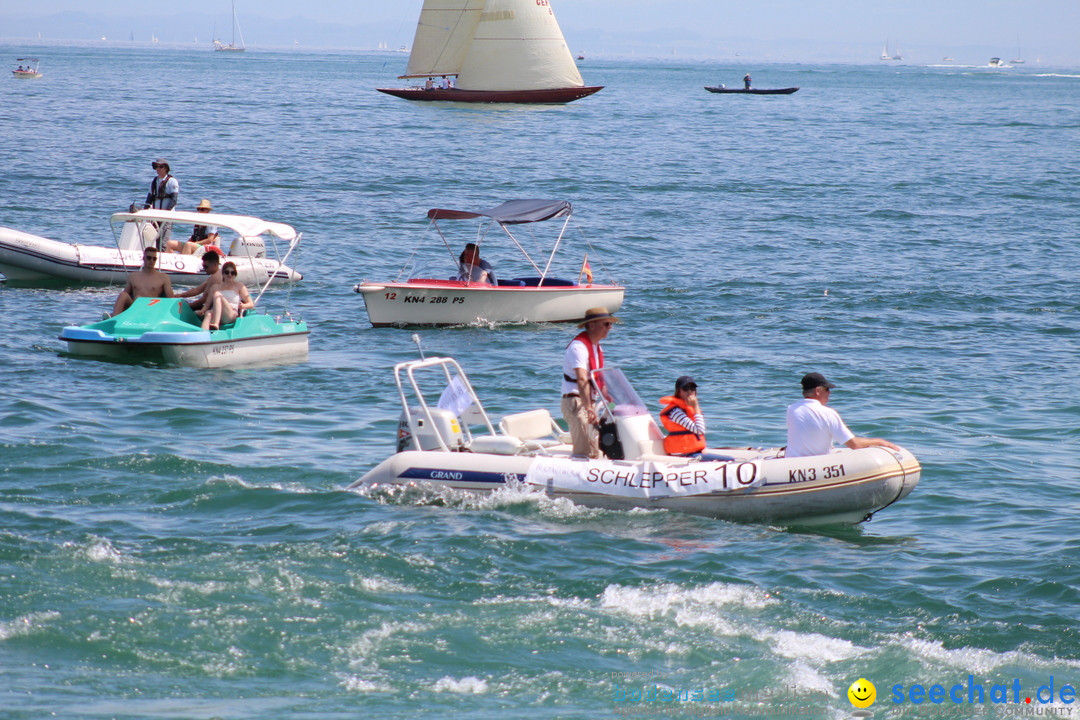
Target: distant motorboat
(499, 51)
(231, 47)
(751, 91)
(28, 71)
(996, 63)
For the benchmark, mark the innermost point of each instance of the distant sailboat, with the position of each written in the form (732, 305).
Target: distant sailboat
(1019, 59)
(232, 47)
(885, 53)
(503, 51)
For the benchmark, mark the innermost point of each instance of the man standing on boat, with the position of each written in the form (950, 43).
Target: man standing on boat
(164, 194)
(813, 427)
(583, 355)
(746, 81)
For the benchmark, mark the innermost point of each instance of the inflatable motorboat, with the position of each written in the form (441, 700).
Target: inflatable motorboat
(244, 240)
(449, 440)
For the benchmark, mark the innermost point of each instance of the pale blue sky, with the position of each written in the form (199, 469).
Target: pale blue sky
(812, 30)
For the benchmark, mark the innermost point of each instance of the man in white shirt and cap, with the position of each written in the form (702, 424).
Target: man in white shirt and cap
(813, 427)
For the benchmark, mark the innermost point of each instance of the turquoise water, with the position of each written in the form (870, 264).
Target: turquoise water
(178, 543)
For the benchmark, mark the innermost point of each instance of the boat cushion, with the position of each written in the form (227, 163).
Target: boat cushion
(495, 445)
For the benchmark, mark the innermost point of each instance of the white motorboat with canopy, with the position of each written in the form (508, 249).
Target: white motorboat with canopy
(499, 51)
(437, 297)
(246, 241)
(445, 438)
(28, 71)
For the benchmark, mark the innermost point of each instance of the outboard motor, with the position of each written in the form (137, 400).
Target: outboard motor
(610, 444)
(444, 424)
(254, 247)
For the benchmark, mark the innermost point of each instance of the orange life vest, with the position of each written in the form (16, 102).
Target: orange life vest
(679, 440)
(596, 358)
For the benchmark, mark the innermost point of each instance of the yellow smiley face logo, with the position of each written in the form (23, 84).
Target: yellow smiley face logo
(862, 693)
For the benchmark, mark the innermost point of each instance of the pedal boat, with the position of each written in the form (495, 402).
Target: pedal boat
(437, 446)
(435, 297)
(245, 240)
(166, 330)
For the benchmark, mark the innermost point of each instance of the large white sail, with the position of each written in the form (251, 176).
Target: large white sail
(443, 35)
(517, 45)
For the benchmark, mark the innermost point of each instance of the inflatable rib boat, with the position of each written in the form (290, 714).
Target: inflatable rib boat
(437, 445)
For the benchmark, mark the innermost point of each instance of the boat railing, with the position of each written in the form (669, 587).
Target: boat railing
(458, 390)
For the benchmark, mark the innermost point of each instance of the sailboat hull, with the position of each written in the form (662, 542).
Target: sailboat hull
(551, 96)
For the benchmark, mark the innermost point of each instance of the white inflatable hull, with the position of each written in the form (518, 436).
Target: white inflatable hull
(448, 303)
(845, 486)
(30, 258)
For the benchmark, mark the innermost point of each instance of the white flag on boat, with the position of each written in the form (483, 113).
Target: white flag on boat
(455, 397)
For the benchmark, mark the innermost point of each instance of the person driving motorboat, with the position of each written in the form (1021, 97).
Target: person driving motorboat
(472, 269)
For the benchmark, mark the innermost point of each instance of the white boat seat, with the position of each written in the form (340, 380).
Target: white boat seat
(536, 429)
(496, 445)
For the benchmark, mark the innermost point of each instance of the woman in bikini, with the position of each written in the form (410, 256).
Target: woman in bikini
(230, 299)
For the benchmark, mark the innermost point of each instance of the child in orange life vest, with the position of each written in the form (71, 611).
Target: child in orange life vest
(682, 419)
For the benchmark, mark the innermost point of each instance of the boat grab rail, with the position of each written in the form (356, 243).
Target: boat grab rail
(409, 369)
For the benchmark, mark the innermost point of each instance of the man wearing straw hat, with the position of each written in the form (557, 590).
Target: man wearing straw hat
(584, 355)
(202, 236)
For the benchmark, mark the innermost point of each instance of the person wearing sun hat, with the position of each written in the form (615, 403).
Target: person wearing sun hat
(813, 427)
(582, 356)
(164, 189)
(202, 236)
